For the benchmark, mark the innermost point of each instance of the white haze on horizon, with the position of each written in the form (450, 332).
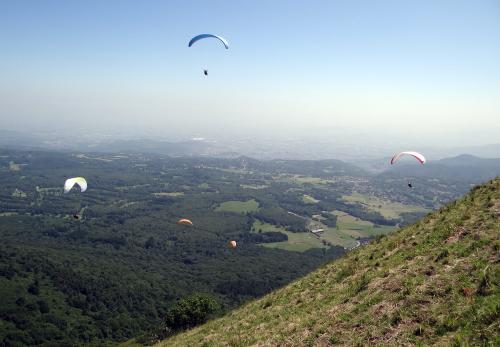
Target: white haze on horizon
(385, 73)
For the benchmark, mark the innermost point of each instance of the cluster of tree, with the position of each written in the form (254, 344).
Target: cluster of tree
(186, 313)
(244, 286)
(265, 237)
(62, 289)
(329, 220)
(280, 217)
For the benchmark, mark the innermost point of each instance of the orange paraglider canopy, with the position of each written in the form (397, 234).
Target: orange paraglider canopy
(232, 244)
(184, 221)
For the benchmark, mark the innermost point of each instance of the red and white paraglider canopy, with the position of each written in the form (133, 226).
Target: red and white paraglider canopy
(416, 155)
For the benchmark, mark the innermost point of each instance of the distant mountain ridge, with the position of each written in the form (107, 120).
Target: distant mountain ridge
(468, 159)
(464, 167)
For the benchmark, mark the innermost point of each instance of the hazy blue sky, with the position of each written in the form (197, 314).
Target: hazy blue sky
(426, 70)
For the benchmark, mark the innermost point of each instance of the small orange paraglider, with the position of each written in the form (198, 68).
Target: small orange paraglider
(184, 221)
(232, 244)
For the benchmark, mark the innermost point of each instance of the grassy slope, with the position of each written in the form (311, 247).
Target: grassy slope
(435, 282)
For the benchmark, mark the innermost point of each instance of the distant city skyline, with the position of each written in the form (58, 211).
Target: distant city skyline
(423, 72)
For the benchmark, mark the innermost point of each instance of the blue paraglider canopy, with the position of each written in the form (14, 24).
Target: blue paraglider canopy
(204, 36)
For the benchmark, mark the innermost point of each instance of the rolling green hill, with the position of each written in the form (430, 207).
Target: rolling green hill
(433, 283)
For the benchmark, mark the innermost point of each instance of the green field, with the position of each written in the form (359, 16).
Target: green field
(298, 242)
(301, 179)
(171, 194)
(360, 228)
(128, 204)
(19, 194)
(83, 156)
(338, 237)
(388, 209)
(238, 206)
(253, 186)
(8, 214)
(348, 230)
(14, 167)
(307, 199)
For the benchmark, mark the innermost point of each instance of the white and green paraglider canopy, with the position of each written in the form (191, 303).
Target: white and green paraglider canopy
(70, 182)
